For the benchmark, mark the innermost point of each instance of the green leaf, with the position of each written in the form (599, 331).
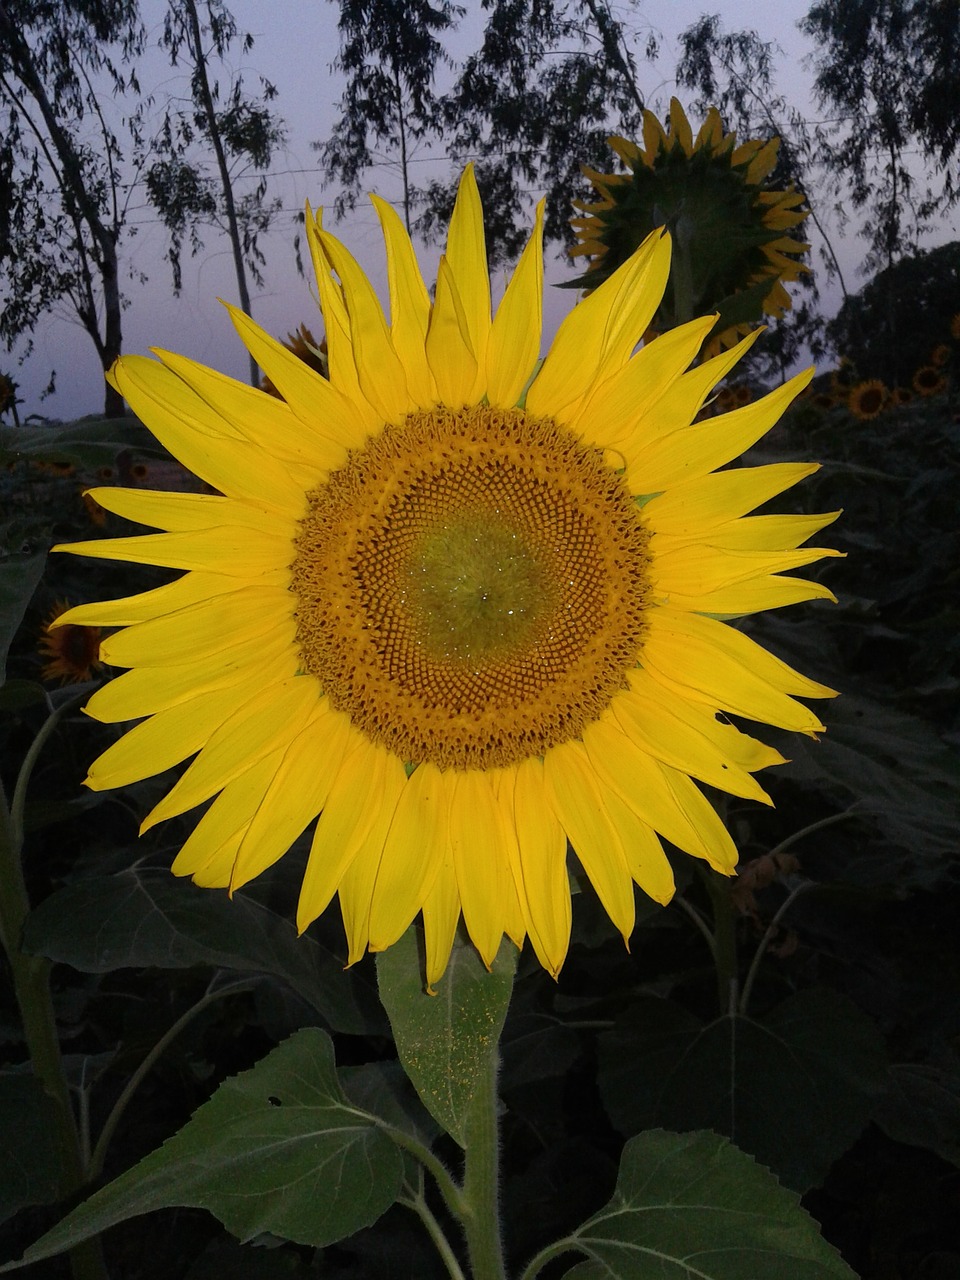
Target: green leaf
(29, 1156)
(88, 442)
(693, 1206)
(19, 576)
(148, 917)
(794, 1088)
(277, 1149)
(921, 1108)
(445, 1040)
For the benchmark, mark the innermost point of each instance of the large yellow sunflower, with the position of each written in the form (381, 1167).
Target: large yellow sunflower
(463, 607)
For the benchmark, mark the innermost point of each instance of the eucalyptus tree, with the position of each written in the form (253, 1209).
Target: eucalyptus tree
(538, 97)
(63, 200)
(212, 145)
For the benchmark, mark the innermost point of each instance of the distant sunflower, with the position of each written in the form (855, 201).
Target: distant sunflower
(900, 395)
(868, 399)
(955, 326)
(928, 381)
(941, 355)
(304, 345)
(732, 253)
(462, 620)
(72, 652)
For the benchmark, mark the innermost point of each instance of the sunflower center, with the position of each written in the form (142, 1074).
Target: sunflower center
(471, 586)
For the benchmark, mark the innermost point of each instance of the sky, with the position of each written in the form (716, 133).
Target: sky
(294, 50)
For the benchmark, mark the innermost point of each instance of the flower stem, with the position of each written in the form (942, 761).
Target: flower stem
(481, 1180)
(31, 984)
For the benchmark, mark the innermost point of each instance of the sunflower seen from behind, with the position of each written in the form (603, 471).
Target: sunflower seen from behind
(733, 251)
(473, 601)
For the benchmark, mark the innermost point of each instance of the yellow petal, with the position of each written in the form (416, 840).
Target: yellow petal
(690, 507)
(414, 850)
(340, 354)
(296, 793)
(166, 739)
(202, 440)
(192, 588)
(728, 670)
(662, 797)
(696, 570)
(312, 397)
(409, 305)
(209, 627)
(753, 596)
(268, 721)
(626, 403)
(479, 829)
(695, 450)
(226, 820)
(192, 512)
(147, 690)
(577, 798)
(264, 420)
(466, 257)
(441, 915)
(347, 820)
(243, 553)
(597, 336)
(514, 345)
(360, 876)
(648, 865)
(657, 730)
(449, 351)
(543, 862)
(379, 369)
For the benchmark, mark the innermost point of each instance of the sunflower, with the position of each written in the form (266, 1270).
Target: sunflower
(941, 355)
(732, 251)
(72, 651)
(461, 603)
(928, 381)
(955, 325)
(304, 345)
(868, 399)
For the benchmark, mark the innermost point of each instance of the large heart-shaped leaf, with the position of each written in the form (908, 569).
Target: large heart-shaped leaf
(794, 1088)
(147, 917)
(693, 1207)
(277, 1149)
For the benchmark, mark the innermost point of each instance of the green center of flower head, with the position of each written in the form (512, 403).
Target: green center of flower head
(471, 587)
(477, 589)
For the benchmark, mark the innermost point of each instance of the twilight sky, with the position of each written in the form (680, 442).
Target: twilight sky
(294, 48)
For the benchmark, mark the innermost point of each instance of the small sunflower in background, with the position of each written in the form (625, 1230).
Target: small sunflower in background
(732, 249)
(471, 601)
(900, 396)
(955, 326)
(928, 381)
(941, 355)
(71, 652)
(306, 348)
(868, 399)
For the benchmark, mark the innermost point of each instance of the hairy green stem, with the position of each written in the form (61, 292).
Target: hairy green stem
(481, 1180)
(724, 939)
(416, 1201)
(133, 1084)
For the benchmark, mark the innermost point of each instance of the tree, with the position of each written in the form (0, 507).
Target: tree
(549, 83)
(886, 69)
(241, 134)
(390, 53)
(537, 99)
(62, 202)
(734, 72)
